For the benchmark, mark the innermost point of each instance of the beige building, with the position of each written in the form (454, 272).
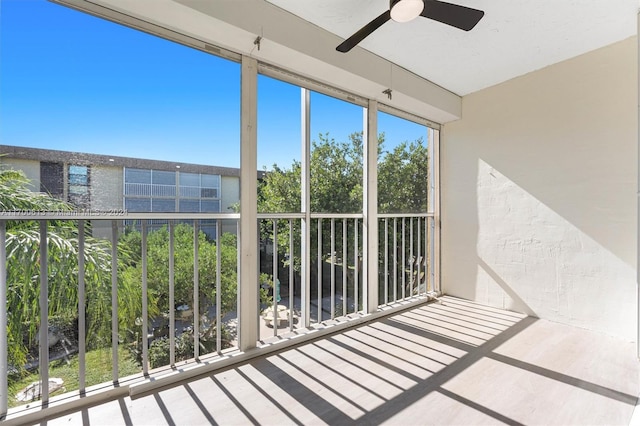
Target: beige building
(103, 183)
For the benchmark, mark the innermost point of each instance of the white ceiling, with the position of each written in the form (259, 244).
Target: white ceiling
(428, 65)
(514, 37)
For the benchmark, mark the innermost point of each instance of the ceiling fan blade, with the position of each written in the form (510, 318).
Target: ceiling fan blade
(352, 41)
(455, 15)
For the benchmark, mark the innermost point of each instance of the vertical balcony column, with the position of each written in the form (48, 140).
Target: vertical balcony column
(305, 207)
(435, 178)
(370, 207)
(638, 214)
(248, 290)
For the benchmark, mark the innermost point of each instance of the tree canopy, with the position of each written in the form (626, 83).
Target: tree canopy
(336, 184)
(336, 178)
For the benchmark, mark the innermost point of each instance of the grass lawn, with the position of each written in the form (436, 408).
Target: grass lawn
(98, 370)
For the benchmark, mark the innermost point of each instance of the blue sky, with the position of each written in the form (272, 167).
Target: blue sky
(74, 82)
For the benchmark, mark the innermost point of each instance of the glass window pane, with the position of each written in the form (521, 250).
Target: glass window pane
(403, 166)
(189, 206)
(78, 189)
(51, 179)
(137, 176)
(336, 155)
(189, 192)
(210, 181)
(159, 177)
(137, 204)
(209, 193)
(126, 102)
(210, 206)
(163, 206)
(78, 179)
(78, 170)
(189, 179)
(279, 146)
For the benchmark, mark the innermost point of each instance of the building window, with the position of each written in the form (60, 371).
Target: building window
(52, 179)
(161, 191)
(79, 186)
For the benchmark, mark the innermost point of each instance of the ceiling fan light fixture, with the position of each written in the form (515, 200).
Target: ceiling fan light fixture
(405, 10)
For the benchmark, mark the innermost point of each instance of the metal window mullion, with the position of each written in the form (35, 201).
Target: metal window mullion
(145, 300)
(82, 347)
(344, 267)
(370, 205)
(196, 285)
(248, 308)
(218, 288)
(114, 299)
(436, 209)
(44, 316)
(172, 297)
(305, 207)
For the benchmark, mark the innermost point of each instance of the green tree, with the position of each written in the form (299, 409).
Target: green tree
(158, 265)
(158, 281)
(336, 187)
(403, 175)
(23, 272)
(336, 182)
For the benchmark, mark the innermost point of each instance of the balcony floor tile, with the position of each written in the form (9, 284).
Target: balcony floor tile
(452, 363)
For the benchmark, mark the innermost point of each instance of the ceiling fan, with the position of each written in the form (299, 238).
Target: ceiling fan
(455, 15)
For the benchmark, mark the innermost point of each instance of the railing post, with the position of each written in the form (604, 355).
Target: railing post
(274, 276)
(43, 339)
(370, 207)
(4, 352)
(333, 268)
(114, 300)
(145, 301)
(319, 275)
(248, 291)
(172, 296)
(82, 337)
(218, 289)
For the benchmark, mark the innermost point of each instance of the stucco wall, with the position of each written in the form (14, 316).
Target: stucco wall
(539, 193)
(106, 196)
(106, 188)
(230, 195)
(30, 168)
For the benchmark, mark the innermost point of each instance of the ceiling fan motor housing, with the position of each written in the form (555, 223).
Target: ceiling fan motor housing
(405, 10)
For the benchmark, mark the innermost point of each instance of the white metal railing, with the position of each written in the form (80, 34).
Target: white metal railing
(43, 225)
(335, 284)
(198, 192)
(149, 190)
(407, 248)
